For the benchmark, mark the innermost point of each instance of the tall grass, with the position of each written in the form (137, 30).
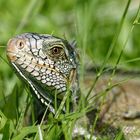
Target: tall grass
(94, 28)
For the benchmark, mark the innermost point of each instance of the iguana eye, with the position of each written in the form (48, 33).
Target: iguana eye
(56, 50)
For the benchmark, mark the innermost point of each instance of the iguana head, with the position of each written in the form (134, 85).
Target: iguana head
(47, 63)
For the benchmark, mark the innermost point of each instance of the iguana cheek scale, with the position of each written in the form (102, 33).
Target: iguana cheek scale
(47, 63)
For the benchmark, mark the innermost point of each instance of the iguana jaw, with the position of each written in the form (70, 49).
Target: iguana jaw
(44, 100)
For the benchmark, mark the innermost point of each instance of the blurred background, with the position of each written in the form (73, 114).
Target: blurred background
(92, 23)
(95, 21)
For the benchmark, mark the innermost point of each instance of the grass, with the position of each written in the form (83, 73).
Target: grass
(93, 25)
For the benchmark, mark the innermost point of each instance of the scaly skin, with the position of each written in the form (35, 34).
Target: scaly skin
(47, 63)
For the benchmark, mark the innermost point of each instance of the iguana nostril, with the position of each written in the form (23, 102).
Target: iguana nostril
(20, 44)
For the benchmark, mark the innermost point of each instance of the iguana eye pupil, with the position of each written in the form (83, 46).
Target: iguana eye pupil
(56, 50)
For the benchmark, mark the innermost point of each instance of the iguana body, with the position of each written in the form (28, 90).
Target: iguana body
(49, 65)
